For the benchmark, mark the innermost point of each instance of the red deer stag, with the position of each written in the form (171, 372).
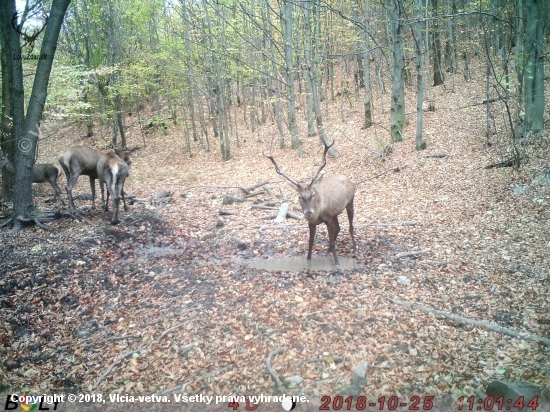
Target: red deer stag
(41, 173)
(113, 171)
(322, 201)
(76, 161)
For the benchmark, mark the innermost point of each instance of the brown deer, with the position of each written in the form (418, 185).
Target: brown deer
(113, 171)
(76, 161)
(41, 173)
(322, 201)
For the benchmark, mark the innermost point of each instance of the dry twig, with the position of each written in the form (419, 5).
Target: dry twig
(272, 371)
(476, 323)
(414, 253)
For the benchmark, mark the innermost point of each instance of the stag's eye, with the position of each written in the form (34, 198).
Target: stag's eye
(312, 195)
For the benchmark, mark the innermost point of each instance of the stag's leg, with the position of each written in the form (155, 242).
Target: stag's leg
(349, 209)
(101, 189)
(116, 201)
(124, 200)
(116, 204)
(71, 181)
(333, 228)
(92, 186)
(57, 190)
(312, 229)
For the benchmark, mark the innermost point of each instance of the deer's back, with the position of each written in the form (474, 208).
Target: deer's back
(335, 192)
(82, 158)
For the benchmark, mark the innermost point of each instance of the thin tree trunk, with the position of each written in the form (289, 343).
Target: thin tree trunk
(534, 70)
(420, 143)
(519, 64)
(7, 137)
(398, 87)
(438, 72)
(366, 69)
(312, 80)
(289, 70)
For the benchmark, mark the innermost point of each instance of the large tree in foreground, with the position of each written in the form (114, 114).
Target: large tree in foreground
(26, 126)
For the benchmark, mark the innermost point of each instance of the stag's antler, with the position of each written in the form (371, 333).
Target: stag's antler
(29, 39)
(324, 161)
(278, 169)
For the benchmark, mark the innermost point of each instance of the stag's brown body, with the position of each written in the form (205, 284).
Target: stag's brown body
(113, 171)
(322, 201)
(41, 173)
(76, 161)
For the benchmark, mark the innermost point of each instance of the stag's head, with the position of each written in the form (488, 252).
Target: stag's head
(307, 194)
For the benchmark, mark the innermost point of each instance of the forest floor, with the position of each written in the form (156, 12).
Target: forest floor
(162, 303)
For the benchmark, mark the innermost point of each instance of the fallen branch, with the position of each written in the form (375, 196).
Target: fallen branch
(263, 207)
(167, 331)
(507, 163)
(281, 216)
(272, 371)
(222, 212)
(394, 169)
(6, 223)
(476, 323)
(249, 189)
(393, 224)
(437, 156)
(117, 360)
(415, 253)
(122, 337)
(261, 192)
(479, 104)
(183, 385)
(275, 227)
(289, 215)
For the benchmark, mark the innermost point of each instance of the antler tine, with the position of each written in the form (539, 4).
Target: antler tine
(324, 161)
(279, 171)
(14, 23)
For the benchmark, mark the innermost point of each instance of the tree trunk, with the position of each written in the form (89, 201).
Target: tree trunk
(438, 72)
(519, 64)
(534, 69)
(398, 88)
(25, 126)
(276, 88)
(366, 69)
(420, 143)
(289, 71)
(313, 81)
(7, 137)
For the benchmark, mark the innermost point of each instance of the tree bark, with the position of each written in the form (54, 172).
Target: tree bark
(398, 86)
(420, 143)
(7, 137)
(289, 71)
(25, 127)
(438, 72)
(366, 69)
(534, 69)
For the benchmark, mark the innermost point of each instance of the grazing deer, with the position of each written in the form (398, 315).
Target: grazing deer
(113, 171)
(76, 161)
(41, 173)
(322, 201)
